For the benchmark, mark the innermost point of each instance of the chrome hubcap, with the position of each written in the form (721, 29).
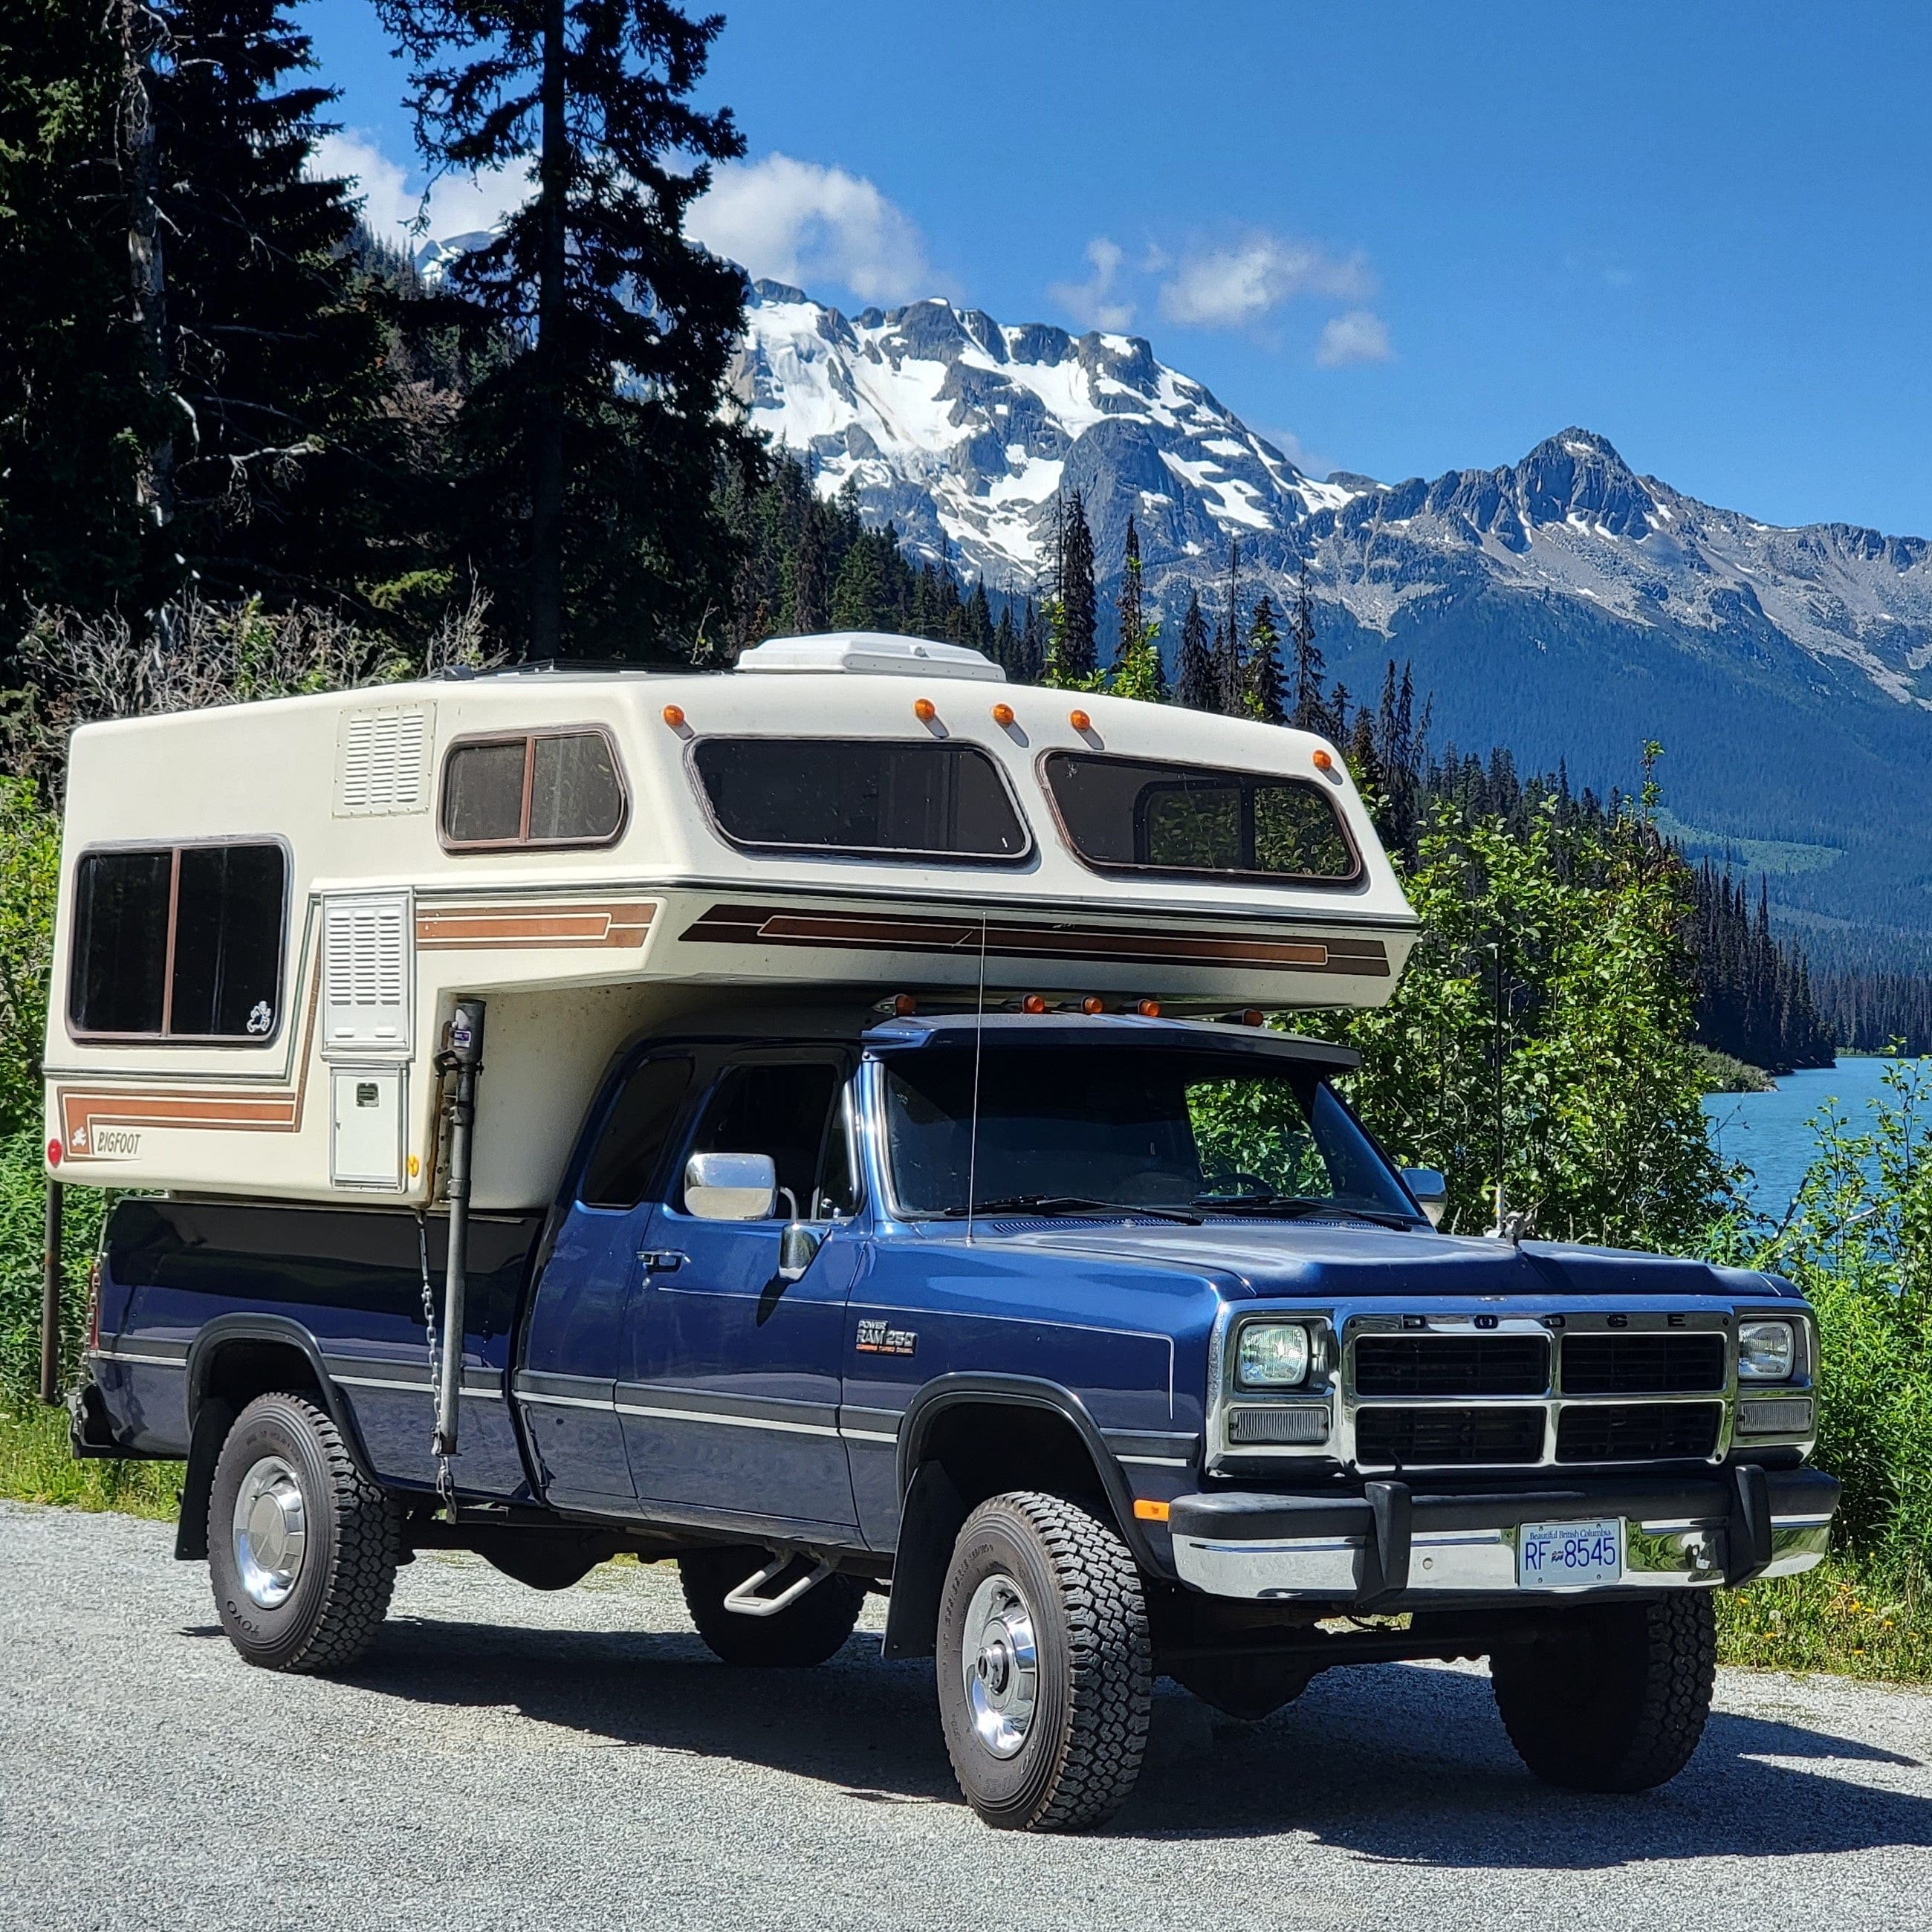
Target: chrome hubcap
(1000, 1665)
(271, 1532)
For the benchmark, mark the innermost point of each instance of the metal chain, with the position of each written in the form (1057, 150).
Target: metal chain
(446, 1483)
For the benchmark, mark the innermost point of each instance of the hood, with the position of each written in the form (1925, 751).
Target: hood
(1317, 1260)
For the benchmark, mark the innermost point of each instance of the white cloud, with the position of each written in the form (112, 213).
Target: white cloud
(1239, 284)
(1094, 303)
(458, 204)
(1359, 335)
(1310, 462)
(798, 222)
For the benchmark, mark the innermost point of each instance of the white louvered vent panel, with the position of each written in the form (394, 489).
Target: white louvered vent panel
(383, 762)
(366, 973)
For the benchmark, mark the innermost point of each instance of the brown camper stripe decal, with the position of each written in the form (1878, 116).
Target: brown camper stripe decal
(546, 925)
(895, 932)
(84, 1112)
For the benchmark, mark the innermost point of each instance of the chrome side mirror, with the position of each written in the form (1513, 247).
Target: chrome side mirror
(731, 1186)
(1431, 1190)
(798, 1249)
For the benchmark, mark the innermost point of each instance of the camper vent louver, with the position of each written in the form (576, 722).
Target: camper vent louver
(382, 767)
(366, 973)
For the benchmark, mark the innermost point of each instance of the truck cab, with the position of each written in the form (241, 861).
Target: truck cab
(1050, 1289)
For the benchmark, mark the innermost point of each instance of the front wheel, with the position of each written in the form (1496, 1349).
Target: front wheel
(1617, 1699)
(1045, 1664)
(302, 1547)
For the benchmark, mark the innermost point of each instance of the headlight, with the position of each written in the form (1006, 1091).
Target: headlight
(1271, 1355)
(1767, 1351)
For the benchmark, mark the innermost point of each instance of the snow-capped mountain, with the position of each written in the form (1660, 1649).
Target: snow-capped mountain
(962, 430)
(1564, 605)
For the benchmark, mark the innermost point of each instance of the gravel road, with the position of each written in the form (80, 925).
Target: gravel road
(506, 1758)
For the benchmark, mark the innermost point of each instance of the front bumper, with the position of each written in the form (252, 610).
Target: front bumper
(1397, 1540)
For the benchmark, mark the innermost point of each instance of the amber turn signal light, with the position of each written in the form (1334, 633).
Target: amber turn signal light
(1080, 721)
(1002, 715)
(905, 1006)
(673, 716)
(1323, 762)
(925, 710)
(1148, 1009)
(1092, 1004)
(1033, 1003)
(1148, 1510)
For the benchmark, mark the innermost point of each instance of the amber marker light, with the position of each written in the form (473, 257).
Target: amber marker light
(673, 716)
(1147, 1510)
(1148, 1009)
(1252, 1017)
(1033, 1002)
(1002, 715)
(415, 1166)
(904, 1006)
(1092, 1004)
(925, 710)
(1080, 721)
(1323, 761)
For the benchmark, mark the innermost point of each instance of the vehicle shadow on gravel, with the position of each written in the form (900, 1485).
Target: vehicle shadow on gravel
(1399, 1763)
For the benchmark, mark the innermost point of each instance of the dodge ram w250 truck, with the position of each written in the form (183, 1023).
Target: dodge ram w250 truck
(1110, 1345)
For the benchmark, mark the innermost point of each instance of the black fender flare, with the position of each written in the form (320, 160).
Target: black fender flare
(211, 1417)
(931, 1509)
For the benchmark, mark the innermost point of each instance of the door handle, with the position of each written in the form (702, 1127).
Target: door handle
(661, 1261)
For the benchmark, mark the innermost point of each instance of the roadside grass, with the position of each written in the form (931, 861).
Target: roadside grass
(36, 1466)
(1853, 1617)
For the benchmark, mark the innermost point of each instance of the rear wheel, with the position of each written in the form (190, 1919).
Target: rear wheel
(803, 1633)
(1615, 1699)
(1045, 1664)
(302, 1547)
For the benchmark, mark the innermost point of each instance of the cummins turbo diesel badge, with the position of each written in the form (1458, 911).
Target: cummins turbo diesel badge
(879, 1338)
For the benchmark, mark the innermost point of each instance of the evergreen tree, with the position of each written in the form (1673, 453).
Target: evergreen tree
(599, 436)
(1265, 686)
(1073, 662)
(79, 411)
(1194, 673)
(1030, 666)
(1006, 643)
(856, 595)
(1137, 666)
(1305, 670)
(273, 343)
(1230, 695)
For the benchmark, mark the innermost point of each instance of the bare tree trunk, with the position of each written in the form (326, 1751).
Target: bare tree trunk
(142, 35)
(546, 581)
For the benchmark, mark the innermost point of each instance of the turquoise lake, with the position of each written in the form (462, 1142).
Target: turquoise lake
(1767, 1131)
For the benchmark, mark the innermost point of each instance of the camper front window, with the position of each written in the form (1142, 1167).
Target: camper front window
(1144, 815)
(178, 942)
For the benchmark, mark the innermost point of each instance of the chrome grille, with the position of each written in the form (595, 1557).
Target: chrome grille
(1403, 1437)
(1650, 1431)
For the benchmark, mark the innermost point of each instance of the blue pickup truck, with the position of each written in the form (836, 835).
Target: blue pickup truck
(1105, 1344)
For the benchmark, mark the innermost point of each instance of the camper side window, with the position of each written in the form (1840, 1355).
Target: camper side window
(537, 788)
(178, 943)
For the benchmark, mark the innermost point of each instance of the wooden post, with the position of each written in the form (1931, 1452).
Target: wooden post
(50, 1300)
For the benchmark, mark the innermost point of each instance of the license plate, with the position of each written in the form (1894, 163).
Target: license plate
(1570, 1555)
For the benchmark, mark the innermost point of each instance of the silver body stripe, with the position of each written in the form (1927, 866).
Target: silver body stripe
(729, 1421)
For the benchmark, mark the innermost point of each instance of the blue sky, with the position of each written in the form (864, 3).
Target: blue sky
(1402, 238)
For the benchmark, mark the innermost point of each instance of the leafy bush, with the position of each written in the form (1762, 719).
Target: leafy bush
(1539, 1035)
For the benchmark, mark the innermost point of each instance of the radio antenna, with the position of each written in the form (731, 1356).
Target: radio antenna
(978, 1036)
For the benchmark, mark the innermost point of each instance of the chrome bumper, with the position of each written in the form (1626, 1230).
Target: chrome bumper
(1393, 1542)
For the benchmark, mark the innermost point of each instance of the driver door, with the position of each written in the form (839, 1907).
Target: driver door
(728, 1394)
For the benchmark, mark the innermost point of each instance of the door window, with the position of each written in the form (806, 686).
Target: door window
(624, 1164)
(787, 1109)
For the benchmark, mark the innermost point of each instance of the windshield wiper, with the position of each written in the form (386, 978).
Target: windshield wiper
(1300, 1206)
(1069, 1203)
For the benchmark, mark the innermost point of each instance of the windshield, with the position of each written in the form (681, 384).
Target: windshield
(1151, 1127)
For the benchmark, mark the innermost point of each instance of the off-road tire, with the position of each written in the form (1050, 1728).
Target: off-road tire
(802, 1634)
(1616, 1701)
(1088, 1733)
(341, 1594)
